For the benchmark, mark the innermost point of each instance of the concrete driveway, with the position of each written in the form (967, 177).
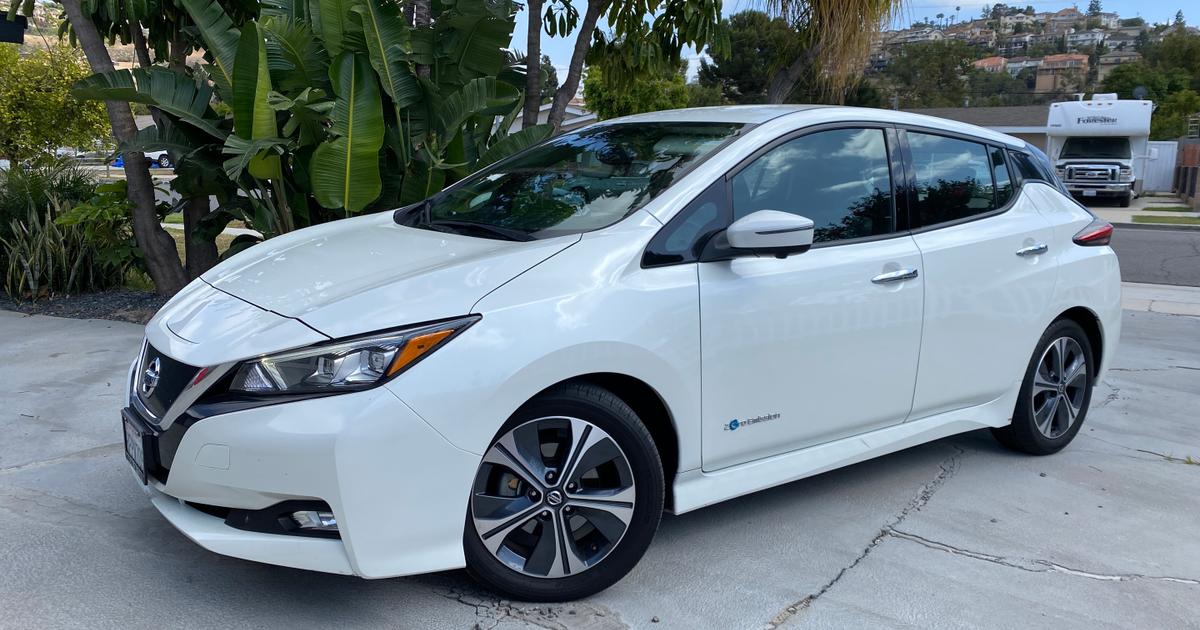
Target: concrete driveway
(957, 533)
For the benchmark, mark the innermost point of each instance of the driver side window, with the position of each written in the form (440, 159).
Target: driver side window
(838, 178)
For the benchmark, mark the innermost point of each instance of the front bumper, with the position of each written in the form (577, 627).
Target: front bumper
(1105, 189)
(398, 490)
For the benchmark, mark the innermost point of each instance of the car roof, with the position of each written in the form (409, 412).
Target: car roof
(819, 114)
(745, 114)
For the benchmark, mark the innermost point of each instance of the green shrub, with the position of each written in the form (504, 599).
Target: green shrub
(70, 249)
(29, 188)
(107, 223)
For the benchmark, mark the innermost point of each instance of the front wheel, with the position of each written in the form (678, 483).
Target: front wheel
(566, 499)
(1055, 394)
(1126, 200)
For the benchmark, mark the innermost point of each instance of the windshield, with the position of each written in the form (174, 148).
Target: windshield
(574, 183)
(1101, 147)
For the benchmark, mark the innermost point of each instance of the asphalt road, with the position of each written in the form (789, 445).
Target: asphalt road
(958, 533)
(1158, 256)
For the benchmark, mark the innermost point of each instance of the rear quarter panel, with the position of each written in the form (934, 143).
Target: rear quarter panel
(1089, 277)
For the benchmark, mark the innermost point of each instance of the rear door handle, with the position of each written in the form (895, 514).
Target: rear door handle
(899, 275)
(1033, 250)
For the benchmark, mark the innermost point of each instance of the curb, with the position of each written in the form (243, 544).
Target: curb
(1157, 226)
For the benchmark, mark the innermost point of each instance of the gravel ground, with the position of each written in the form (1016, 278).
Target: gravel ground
(120, 305)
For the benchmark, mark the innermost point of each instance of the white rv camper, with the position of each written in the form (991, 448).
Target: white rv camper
(1099, 147)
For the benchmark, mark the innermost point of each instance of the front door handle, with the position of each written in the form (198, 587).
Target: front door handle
(1033, 250)
(899, 275)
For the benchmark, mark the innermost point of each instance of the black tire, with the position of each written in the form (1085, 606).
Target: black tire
(605, 411)
(1023, 433)
(1126, 200)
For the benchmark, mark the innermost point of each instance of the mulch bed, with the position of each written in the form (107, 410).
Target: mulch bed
(120, 305)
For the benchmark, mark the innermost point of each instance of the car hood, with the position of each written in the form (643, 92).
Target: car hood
(368, 273)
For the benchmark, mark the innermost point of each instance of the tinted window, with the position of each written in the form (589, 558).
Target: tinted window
(1028, 167)
(953, 178)
(837, 178)
(1004, 185)
(574, 183)
(683, 238)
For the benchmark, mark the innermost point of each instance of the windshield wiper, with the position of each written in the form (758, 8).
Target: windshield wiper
(505, 233)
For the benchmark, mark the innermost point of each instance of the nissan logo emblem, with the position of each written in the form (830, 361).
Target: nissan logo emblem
(150, 377)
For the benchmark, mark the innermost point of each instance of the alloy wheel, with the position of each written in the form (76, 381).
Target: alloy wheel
(1059, 387)
(553, 497)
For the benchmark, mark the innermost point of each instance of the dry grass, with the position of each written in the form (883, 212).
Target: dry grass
(1150, 218)
(223, 242)
(1169, 209)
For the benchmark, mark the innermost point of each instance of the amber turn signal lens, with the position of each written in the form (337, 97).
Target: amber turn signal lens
(416, 347)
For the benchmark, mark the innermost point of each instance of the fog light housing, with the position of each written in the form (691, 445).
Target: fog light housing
(313, 520)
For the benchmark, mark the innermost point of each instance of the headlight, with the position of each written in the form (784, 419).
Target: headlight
(348, 365)
(1126, 174)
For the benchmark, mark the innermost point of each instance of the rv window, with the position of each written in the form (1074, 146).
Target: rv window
(1112, 148)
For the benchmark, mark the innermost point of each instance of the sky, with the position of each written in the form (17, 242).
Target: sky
(559, 48)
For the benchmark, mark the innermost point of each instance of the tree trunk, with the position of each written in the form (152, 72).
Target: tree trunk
(783, 82)
(583, 42)
(162, 260)
(201, 255)
(421, 18)
(533, 65)
(144, 60)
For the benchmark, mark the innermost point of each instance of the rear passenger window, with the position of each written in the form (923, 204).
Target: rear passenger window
(1004, 185)
(839, 178)
(954, 178)
(1026, 167)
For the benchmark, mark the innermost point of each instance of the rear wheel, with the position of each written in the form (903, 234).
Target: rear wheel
(567, 497)
(1055, 394)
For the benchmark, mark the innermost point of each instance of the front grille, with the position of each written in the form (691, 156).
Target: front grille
(1092, 173)
(172, 377)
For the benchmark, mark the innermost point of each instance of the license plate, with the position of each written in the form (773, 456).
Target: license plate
(135, 444)
(1089, 193)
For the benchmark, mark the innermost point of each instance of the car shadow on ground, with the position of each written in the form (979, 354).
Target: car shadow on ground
(842, 509)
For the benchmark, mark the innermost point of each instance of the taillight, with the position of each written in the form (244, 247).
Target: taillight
(1096, 233)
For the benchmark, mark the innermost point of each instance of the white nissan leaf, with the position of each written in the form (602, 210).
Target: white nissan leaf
(661, 312)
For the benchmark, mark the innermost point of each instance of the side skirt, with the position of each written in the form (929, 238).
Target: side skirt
(695, 488)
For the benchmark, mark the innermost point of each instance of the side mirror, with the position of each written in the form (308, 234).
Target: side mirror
(771, 232)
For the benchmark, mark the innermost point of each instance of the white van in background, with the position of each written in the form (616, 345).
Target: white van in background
(1099, 147)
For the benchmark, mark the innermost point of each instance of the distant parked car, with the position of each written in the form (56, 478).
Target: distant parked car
(158, 159)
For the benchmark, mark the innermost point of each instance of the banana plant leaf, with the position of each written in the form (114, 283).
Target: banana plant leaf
(388, 43)
(345, 169)
(253, 117)
(243, 152)
(295, 56)
(473, 33)
(481, 96)
(172, 92)
(514, 143)
(219, 35)
(168, 137)
(338, 30)
(420, 182)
